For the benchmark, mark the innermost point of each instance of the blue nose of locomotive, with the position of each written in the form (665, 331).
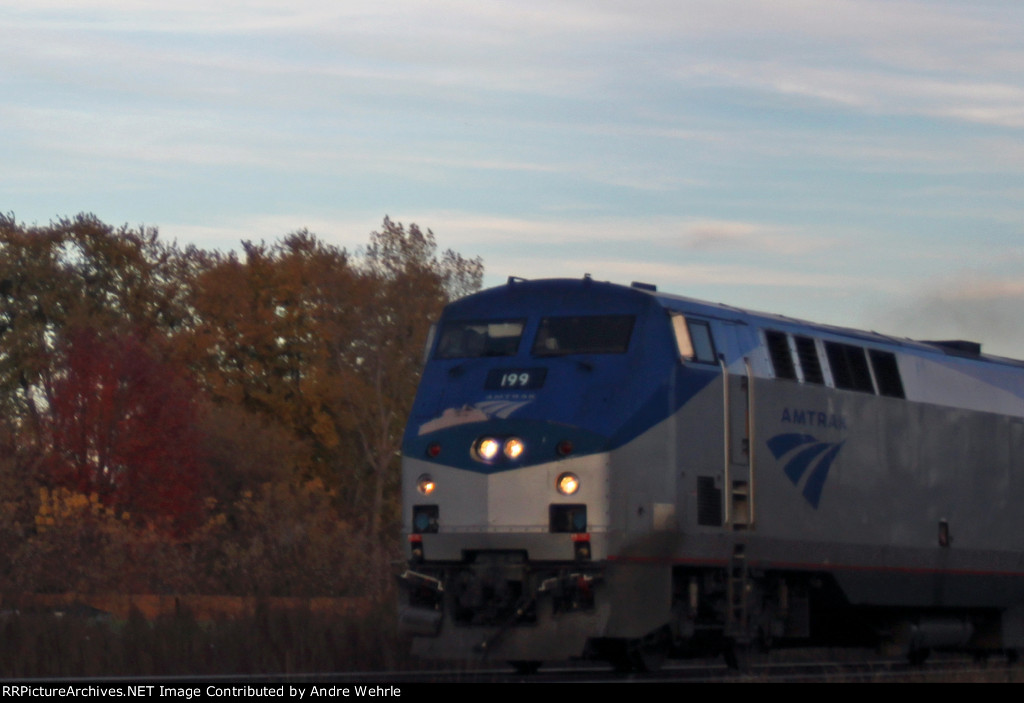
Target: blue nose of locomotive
(534, 372)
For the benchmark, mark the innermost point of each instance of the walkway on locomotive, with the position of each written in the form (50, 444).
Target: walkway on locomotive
(505, 357)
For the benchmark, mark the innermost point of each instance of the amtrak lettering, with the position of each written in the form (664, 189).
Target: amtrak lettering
(813, 418)
(520, 398)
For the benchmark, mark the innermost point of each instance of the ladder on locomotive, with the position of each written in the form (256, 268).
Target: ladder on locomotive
(739, 448)
(739, 468)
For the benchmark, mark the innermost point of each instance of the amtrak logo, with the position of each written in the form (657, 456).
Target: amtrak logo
(806, 456)
(479, 412)
(501, 408)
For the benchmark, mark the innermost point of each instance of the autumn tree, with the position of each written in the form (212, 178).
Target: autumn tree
(262, 340)
(122, 425)
(73, 274)
(285, 538)
(86, 310)
(328, 346)
(409, 282)
(297, 360)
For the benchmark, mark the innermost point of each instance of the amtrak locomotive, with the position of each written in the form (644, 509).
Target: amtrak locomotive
(601, 471)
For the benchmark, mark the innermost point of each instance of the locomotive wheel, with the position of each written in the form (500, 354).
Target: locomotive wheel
(917, 657)
(526, 666)
(736, 655)
(647, 658)
(642, 655)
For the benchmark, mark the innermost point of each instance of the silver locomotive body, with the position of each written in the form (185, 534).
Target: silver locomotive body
(738, 479)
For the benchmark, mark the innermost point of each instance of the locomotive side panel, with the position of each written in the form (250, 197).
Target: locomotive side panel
(905, 502)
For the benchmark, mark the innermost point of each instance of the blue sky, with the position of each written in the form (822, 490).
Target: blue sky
(858, 163)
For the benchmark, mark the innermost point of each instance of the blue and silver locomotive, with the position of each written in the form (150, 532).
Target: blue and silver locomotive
(595, 470)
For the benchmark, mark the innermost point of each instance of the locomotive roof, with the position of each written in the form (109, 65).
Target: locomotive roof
(952, 348)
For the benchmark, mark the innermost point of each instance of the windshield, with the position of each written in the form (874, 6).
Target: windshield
(583, 334)
(474, 339)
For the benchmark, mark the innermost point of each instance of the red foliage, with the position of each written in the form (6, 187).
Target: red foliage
(123, 425)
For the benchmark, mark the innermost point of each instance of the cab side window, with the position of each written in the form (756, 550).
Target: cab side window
(693, 339)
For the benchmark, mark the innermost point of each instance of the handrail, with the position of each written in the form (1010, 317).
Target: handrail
(751, 502)
(726, 474)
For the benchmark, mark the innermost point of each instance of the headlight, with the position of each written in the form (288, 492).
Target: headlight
(425, 484)
(488, 448)
(492, 449)
(514, 447)
(567, 483)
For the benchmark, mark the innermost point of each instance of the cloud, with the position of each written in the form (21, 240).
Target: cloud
(521, 239)
(726, 235)
(349, 231)
(680, 277)
(527, 243)
(975, 305)
(714, 144)
(979, 288)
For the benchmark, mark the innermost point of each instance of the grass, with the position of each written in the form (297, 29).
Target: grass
(268, 641)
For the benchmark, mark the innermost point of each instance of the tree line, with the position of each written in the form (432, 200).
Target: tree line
(181, 420)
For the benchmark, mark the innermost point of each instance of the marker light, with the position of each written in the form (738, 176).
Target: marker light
(425, 484)
(567, 484)
(488, 448)
(514, 447)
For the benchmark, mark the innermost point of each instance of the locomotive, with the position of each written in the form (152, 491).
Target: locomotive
(610, 472)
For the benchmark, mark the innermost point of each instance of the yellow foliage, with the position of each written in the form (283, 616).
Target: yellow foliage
(324, 429)
(62, 506)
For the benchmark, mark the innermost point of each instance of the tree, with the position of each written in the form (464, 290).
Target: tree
(77, 274)
(262, 338)
(409, 284)
(328, 346)
(122, 425)
(298, 360)
(34, 307)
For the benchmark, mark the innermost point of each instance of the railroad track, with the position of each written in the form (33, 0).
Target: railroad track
(802, 667)
(798, 667)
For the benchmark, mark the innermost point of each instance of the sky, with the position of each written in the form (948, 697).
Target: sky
(858, 163)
